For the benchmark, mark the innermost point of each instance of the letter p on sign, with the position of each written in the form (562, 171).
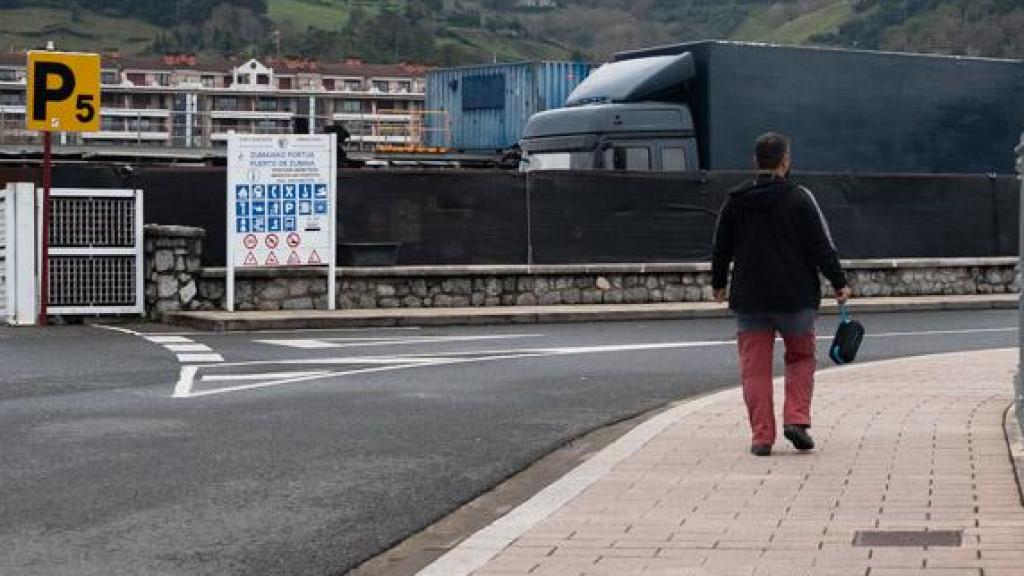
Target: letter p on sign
(63, 92)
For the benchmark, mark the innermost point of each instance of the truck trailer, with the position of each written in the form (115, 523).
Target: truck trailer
(700, 106)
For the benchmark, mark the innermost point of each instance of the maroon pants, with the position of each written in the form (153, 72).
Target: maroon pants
(756, 367)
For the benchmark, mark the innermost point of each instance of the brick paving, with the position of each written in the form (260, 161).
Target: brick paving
(908, 445)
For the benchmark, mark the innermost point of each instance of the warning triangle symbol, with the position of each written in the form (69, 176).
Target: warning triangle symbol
(272, 260)
(250, 259)
(314, 258)
(294, 259)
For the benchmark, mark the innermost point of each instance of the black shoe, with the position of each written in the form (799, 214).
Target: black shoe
(761, 450)
(797, 434)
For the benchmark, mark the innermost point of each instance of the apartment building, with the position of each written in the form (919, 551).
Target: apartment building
(183, 101)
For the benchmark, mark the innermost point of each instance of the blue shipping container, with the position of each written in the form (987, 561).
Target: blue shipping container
(484, 108)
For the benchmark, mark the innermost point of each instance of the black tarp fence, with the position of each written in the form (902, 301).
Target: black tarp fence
(453, 218)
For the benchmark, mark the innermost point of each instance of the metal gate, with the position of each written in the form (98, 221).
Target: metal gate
(96, 252)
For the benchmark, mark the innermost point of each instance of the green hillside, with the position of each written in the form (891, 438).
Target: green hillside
(474, 31)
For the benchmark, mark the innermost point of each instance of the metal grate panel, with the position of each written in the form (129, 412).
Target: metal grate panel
(94, 222)
(92, 281)
(96, 255)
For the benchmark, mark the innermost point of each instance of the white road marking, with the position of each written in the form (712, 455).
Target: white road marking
(116, 329)
(400, 341)
(165, 339)
(476, 551)
(199, 358)
(269, 375)
(188, 347)
(184, 385)
(404, 362)
(304, 344)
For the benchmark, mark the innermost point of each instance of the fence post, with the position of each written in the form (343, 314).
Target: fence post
(1020, 270)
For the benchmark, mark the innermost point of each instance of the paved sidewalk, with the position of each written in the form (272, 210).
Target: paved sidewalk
(305, 319)
(904, 445)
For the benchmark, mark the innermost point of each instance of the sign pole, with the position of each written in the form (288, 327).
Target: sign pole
(332, 271)
(44, 265)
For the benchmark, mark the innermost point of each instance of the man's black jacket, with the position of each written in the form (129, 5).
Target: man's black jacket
(777, 239)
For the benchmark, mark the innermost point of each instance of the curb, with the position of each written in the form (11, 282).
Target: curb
(218, 321)
(1015, 445)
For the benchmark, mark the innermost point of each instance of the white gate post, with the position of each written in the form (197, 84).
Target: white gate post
(21, 264)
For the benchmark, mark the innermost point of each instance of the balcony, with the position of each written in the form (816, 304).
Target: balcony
(250, 115)
(366, 117)
(127, 136)
(136, 112)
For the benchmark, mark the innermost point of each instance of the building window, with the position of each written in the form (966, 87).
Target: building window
(8, 75)
(162, 79)
(208, 81)
(140, 125)
(284, 83)
(267, 127)
(137, 78)
(244, 79)
(263, 79)
(229, 103)
(329, 84)
(380, 86)
(351, 106)
(12, 99)
(268, 105)
(228, 81)
(405, 86)
(353, 85)
(109, 77)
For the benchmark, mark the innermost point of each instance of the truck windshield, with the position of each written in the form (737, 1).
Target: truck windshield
(558, 161)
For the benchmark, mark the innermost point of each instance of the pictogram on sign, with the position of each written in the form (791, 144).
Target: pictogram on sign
(272, 260)
(250, 259)
(293, 259)
(314, 258)
(294, 240)
(272, 241)
(251, 241)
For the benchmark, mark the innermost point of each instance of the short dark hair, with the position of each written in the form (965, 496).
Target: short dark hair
(770, 150)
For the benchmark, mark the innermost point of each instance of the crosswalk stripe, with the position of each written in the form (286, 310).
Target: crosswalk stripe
(199, 358)
(188, 347)
(168, 339)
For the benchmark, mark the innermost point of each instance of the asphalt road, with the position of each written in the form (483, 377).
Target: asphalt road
(308, 452)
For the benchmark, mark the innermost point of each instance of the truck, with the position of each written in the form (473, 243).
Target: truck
(699, 107)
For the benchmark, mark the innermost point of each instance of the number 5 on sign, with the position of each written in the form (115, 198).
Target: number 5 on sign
(63, 92)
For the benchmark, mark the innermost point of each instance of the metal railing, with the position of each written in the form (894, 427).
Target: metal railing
(161, 128)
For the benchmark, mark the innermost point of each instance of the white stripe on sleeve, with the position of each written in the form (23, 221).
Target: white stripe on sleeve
(821, 218)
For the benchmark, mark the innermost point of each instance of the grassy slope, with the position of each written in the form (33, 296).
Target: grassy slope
(31, 27)
(759, 25)
(325, 14)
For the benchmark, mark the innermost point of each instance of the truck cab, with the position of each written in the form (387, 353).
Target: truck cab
(627, 116)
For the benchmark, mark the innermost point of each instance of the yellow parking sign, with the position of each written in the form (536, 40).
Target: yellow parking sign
(63, 92)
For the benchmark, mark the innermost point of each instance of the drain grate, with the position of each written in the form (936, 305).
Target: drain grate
(909, 538)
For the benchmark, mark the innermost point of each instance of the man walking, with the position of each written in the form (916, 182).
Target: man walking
(776, 237)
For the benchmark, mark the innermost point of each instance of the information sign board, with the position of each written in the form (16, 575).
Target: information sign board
(282, 203)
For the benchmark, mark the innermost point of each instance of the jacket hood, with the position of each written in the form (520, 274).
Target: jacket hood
(761, 194)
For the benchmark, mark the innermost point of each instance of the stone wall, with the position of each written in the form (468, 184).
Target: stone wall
(478, 286)
(173, 261)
